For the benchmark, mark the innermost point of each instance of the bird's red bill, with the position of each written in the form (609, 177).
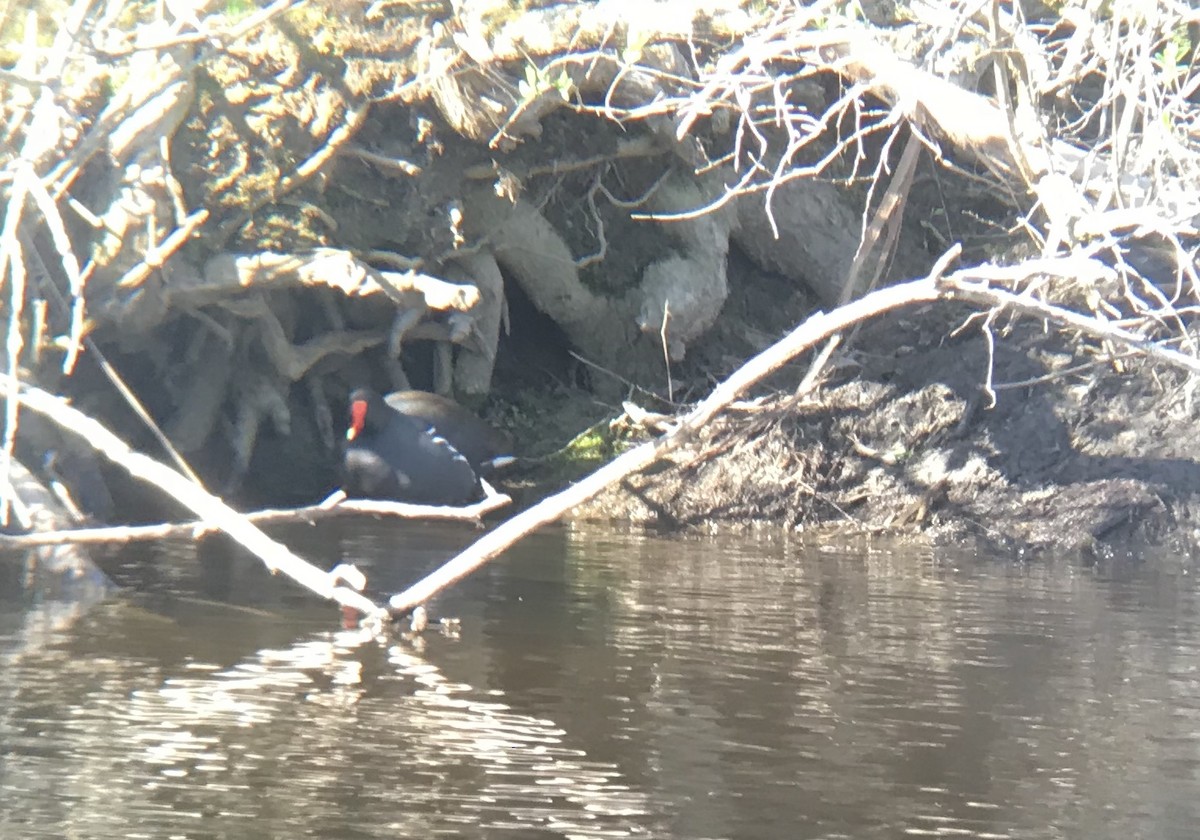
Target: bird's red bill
(358, 417)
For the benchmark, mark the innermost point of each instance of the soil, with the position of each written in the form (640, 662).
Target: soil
(1072, 450)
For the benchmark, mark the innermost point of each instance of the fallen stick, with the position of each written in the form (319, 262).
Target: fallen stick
(208, 507)
(311, 513)
(817, 328)
(967, 285)
(971, 285)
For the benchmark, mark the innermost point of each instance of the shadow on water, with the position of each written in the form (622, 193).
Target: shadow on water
(611, 684)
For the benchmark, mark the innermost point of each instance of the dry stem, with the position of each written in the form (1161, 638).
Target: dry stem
(970, 285)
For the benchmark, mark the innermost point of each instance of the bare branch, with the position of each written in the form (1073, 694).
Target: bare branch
(208, 507)
(194, 530)
(969, 285)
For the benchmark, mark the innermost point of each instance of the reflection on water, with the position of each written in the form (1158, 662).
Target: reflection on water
(611, 685)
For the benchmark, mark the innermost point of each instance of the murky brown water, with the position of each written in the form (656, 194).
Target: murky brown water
(612, 685)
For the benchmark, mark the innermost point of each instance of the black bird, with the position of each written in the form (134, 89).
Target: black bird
(393, 456)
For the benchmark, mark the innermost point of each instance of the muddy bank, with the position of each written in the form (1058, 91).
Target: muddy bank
(1078, 450)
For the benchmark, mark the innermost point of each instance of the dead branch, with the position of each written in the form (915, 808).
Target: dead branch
(63, 535)
(158, 254)
(969, 121)
(276, 556)
(878, 242)
(970, 285)
(385, 164)
(817, 328)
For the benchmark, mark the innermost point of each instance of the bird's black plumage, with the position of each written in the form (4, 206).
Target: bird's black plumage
(485, 448)
(392, 456)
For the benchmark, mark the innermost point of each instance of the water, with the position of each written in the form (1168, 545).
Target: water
(608, 684)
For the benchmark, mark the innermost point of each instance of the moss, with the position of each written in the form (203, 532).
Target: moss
(235, 10)
(594, 445)
(586, 452)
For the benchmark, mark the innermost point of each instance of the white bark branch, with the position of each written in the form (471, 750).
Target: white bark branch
(276, 556)
(969, 285)
(168, 530)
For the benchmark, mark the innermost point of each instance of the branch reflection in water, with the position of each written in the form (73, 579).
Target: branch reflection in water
(526, 776)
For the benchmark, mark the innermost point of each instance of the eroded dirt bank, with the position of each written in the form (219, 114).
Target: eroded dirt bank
(1077, 451)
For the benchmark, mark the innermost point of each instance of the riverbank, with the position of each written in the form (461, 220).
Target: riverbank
(1069, 450)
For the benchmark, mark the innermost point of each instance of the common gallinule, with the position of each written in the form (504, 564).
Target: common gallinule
(390, 455)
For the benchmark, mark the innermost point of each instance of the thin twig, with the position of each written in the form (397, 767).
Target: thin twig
(12, 266)
(973, 286)
(67, 258)
(663, 335)
(157, 255)
(470, 514)
(629, 383)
